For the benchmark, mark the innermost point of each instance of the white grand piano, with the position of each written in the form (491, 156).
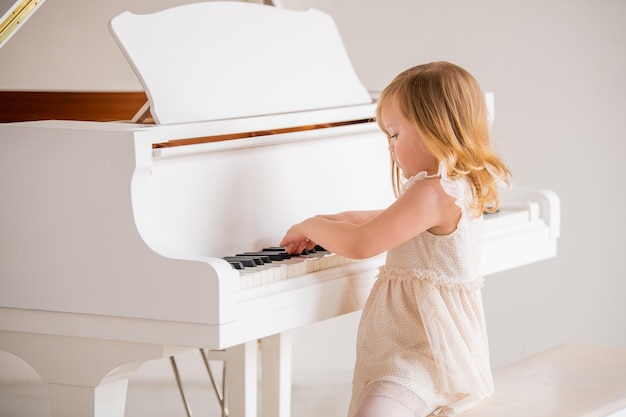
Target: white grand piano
(114, 234)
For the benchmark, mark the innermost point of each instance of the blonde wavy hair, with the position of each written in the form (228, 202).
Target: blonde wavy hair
(447, 107)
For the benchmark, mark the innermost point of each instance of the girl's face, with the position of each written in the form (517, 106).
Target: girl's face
(406, 144)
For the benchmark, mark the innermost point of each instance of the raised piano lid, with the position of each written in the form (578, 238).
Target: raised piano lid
(281, 61)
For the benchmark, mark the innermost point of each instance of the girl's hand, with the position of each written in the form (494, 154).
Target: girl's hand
(295, 241)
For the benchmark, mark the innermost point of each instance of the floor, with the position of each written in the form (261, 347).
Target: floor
(162, 399)
(328, 399)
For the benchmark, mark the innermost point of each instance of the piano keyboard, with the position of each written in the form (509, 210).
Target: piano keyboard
(510, 216)
(274, 264)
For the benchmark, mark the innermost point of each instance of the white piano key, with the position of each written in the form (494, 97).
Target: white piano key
(297, 266)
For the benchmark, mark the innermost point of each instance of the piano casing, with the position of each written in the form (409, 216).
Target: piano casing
(113, 234)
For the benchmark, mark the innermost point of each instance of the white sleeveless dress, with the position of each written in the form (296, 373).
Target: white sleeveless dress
(422, 336)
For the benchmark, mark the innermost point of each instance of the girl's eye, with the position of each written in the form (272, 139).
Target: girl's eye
(393, 137)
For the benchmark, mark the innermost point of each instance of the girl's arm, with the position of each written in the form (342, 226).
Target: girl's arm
(424, 206)
(354, 217)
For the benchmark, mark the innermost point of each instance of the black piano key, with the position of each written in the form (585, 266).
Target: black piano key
(265, 258)
(247, 262)
(273, 256)
(316, 248)
(279, 249)
(275, 249)
(236, 264)
(259, 260)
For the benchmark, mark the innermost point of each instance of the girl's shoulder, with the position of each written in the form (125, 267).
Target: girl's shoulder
(439, 196)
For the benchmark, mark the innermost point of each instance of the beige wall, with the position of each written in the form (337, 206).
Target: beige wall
(557, 70)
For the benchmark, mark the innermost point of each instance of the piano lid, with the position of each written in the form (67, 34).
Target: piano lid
(274, 60)
(14, 15)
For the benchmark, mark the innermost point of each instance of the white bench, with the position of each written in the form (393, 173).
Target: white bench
(566, 381)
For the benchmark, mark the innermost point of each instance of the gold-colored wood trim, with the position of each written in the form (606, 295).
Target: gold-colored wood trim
(243, 135)
(20, 12)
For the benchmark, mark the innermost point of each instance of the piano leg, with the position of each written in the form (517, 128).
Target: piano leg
(104, 400)
(85, 377)
(276, 378)
(242, 379)
(242, 372)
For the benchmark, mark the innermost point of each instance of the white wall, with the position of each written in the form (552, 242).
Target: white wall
(557, 68)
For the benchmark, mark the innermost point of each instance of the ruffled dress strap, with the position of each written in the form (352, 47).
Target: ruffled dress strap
(456, 189)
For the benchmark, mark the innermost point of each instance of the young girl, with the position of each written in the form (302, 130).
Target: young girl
(422, 344)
